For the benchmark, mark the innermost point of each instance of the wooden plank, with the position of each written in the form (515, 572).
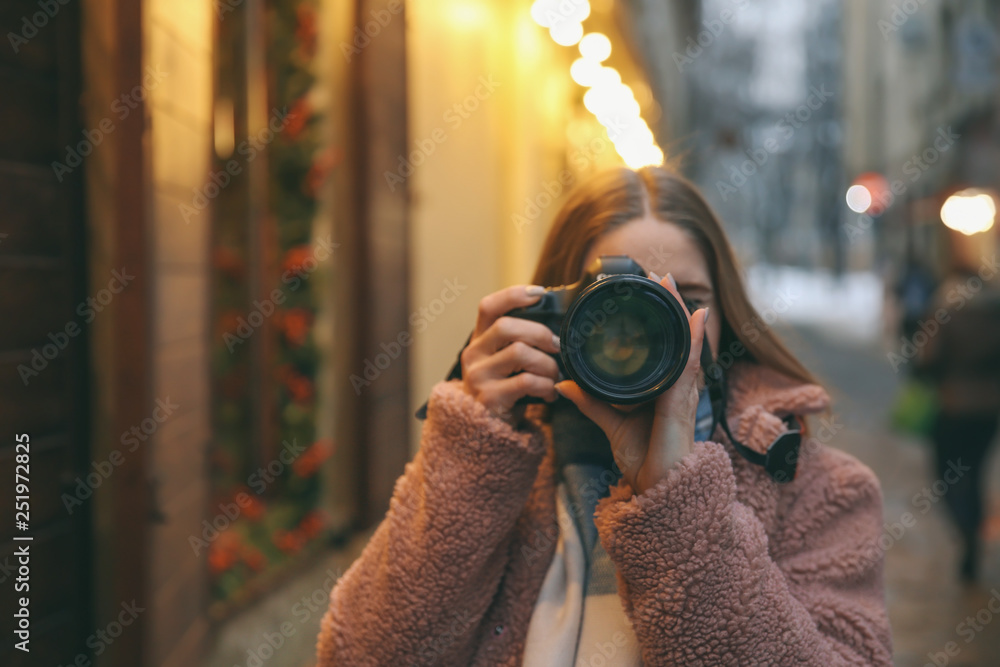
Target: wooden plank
(41, 269)
(383, 258)
(38, 409)
(37, 53)
(30, 325)
(132, 394)
(50, 472)
(26, 127)
(32, 221)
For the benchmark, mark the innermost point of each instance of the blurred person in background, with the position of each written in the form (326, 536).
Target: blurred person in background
(579, 532)
(914, 291)
(961, 359)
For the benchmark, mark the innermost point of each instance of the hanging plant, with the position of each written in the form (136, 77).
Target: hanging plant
(281, 518)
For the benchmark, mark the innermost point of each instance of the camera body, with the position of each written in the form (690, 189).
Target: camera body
(624, 338)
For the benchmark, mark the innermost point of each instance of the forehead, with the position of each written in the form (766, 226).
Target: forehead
(657, 246)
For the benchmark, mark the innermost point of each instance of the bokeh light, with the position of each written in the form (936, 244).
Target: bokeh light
(859, 199)
(596, 47)
(969, 212)
(566, 33)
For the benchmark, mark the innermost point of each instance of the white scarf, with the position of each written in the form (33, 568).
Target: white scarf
(569, 628)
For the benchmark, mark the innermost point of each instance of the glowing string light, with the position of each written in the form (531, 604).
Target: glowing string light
(612, 102)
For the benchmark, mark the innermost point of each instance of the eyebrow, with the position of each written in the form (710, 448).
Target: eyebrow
(694, 286)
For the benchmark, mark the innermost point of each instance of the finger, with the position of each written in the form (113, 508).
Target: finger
(506, 330)
(507, 391)
(518, 356)
(670, 285)
(602, 414)
(698, 327)
(492, 306)
(690, 379)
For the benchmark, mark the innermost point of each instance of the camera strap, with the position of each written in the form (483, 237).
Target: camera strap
(781, 459)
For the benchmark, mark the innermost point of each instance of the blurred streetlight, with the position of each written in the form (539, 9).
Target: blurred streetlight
(969, 211)
(869, 193)
(859, 199)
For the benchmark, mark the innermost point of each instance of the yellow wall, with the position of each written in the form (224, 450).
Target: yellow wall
(178, 40)
(479, 171)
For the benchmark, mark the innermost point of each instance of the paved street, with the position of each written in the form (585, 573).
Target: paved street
(927, 604)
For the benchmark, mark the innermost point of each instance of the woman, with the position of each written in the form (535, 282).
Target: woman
(493, 552)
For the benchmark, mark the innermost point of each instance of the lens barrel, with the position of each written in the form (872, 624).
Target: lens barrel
(625, 339)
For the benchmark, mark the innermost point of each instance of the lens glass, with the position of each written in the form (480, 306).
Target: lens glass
(624, 341)
(627, 345)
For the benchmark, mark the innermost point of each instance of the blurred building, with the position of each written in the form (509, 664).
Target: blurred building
(921, 111)
(765, 82)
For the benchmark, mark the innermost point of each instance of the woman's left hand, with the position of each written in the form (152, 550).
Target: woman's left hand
(647, 441)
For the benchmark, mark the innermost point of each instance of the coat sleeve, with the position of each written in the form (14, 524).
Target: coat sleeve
(701, 586)
(421, 586)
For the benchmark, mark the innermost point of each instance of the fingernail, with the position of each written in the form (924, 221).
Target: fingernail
(654, 276)
(707, 312)
(673, 283)
(555, 341)
(534, 290)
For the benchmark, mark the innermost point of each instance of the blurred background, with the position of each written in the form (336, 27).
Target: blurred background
(240, 240)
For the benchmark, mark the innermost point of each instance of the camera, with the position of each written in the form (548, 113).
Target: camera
(624, 338)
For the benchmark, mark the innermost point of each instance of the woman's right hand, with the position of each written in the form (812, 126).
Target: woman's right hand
(509, 357)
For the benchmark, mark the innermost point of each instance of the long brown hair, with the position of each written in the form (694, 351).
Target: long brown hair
(617, 196)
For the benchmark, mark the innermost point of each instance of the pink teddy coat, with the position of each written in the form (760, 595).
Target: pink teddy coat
(716, 564)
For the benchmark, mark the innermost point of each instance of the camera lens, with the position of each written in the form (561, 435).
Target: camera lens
(621, 347)
(625, 339)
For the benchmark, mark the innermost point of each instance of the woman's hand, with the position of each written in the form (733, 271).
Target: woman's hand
(649, 440)
(502, 346)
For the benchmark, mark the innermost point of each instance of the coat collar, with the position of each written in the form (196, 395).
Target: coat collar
(759, 397)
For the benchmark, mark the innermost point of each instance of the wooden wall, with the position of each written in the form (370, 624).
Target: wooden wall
(153, 345)
(41, 273)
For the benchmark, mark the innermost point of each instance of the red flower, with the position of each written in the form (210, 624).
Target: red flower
(305, 32)
(219, 561)
(297, 118)
(309, 461)
(254, 559)
(324, 162)
(254, 508)
(295, 324)
(297, 260)
(305, 466)
(288, 541)
(300, 388)
(311, 524)
(223, 552)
